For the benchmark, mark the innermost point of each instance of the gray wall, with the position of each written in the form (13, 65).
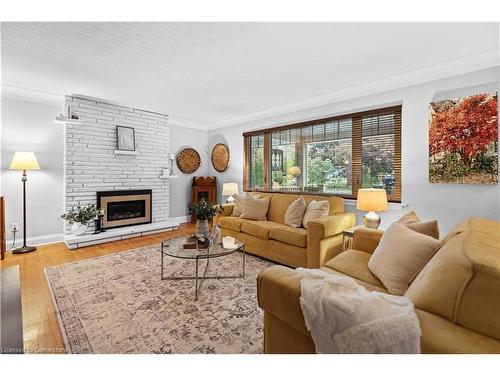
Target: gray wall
(449, 203)
(28, 126)
(180, 188)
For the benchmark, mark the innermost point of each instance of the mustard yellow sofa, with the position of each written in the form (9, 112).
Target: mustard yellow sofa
(295, 247)
(456, 295)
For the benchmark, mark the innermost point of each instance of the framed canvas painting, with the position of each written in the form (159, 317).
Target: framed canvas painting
(463, 140)
(125, 138)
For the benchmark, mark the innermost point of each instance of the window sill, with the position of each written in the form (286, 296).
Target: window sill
(347, 201)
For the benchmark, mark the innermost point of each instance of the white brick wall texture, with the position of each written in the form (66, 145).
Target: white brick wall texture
(90, 164)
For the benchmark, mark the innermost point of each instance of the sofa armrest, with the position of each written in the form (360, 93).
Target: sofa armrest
(278, 293)
(329, 226)
(440, 336)
(227, 210)
(324, 237)
(366, 239)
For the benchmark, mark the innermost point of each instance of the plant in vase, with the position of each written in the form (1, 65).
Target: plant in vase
(204, 212)
(79, 217)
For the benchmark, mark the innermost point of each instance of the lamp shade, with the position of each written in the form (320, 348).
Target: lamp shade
(24, 161)
(229, 188)
(372, 200)
(294, 171)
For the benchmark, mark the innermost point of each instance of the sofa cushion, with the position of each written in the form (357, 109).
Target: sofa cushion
(229, 222)
(400, 256)
(289, 235)
(354, 263)
(258, 229)
(295, 213)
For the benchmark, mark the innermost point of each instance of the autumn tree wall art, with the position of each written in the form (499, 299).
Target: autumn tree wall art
(463, 140)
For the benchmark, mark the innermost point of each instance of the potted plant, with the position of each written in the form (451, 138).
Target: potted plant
(204, 212)
(79, 217)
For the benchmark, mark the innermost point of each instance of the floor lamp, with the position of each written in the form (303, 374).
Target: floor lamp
(24, 161)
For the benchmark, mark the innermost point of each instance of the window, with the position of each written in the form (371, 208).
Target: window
(334, 156)
(257, 162)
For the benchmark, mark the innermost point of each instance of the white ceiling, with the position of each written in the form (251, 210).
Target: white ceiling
(214, 74)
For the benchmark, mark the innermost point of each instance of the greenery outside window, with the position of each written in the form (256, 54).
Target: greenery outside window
(334, 156)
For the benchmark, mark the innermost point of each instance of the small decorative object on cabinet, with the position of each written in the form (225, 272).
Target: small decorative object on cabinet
(220, 157)
(203, 188)
(372, 200)
(188, 160)
(125, 138)
(229, 189)
(80, 217)
(24, 161)
(471, 157)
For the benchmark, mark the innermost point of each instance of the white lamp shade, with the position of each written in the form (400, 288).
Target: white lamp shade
(229, 188)
(372, 200)
(24, 161)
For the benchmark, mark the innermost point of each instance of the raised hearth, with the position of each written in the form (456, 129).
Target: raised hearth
(123, 233)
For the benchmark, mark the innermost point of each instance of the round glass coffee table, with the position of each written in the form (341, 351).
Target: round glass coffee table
(173, 247)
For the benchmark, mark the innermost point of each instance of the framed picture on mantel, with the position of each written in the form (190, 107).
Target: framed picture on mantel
(125, 138)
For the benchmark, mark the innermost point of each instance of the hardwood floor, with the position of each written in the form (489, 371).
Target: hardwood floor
(40, 327)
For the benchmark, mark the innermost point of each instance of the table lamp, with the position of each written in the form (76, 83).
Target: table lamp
(372, 200)
(293, 171)
(230, 189)
(24, 161)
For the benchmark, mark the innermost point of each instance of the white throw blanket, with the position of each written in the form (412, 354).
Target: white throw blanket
(344, 317)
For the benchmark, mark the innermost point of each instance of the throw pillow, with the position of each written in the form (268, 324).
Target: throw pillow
(429, 228)
(400, 256)
(410, 217)
(254, 208)
(236, 209)
(315, 209)
(295, 212)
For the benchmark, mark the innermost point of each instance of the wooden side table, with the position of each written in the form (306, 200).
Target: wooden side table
(347, 235)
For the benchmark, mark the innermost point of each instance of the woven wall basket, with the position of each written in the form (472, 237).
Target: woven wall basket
(220, 157)
(188, 160)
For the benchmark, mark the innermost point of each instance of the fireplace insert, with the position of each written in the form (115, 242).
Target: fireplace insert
(125, 207)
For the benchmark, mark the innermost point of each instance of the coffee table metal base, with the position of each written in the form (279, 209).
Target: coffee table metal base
(198, 279)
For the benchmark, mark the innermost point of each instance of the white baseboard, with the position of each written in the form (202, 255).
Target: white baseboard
(58, 237)
(36, 240)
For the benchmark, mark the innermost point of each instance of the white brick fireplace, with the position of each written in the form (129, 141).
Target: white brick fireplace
(92, 164)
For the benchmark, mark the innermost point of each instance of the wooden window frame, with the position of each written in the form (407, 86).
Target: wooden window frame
(356, 152)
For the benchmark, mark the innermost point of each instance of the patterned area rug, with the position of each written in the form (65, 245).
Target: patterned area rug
(118, 304)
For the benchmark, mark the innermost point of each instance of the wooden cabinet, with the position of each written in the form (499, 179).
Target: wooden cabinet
(203, 188)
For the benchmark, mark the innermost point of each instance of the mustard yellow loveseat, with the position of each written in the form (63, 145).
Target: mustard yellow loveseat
(295, 247)
(456, 295)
